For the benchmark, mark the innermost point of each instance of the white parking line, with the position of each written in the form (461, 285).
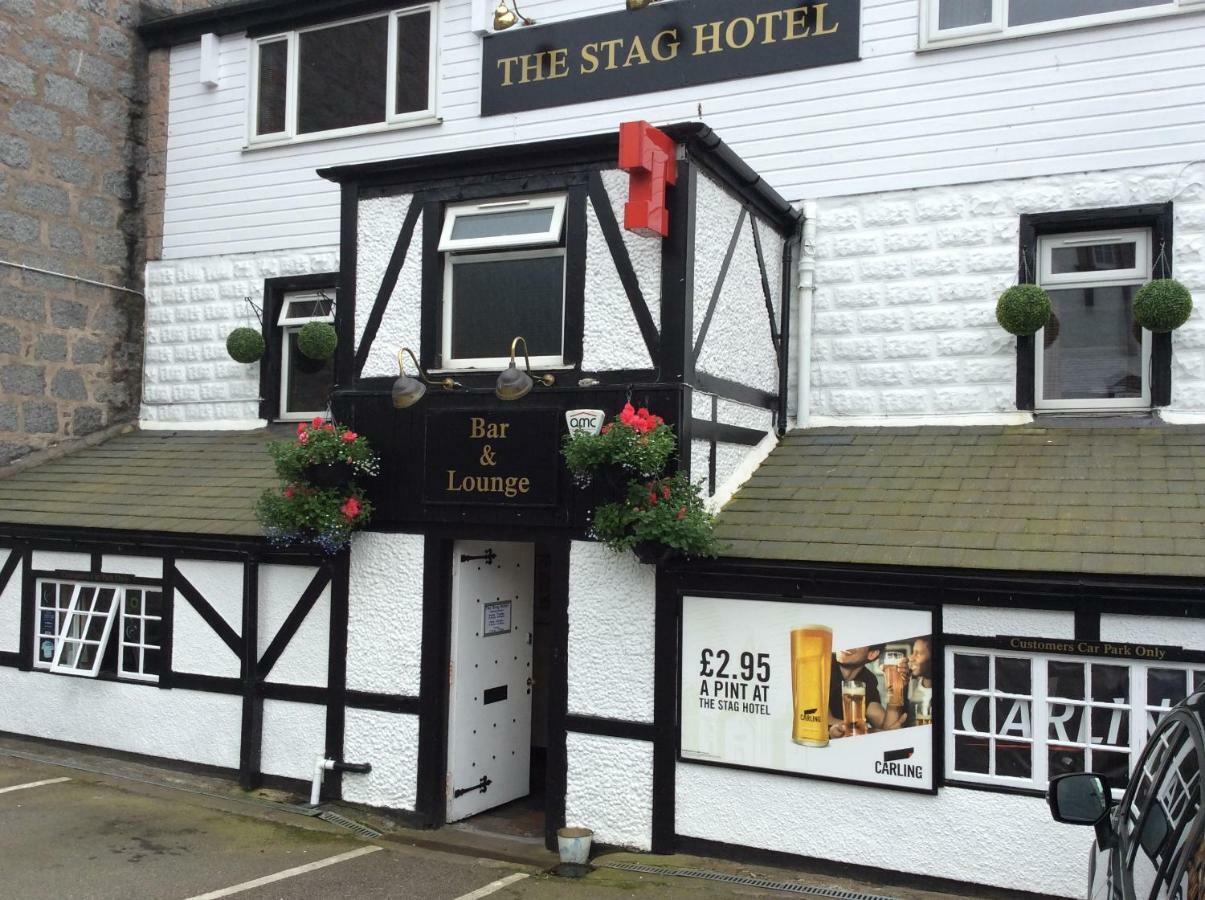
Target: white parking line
(493, 886)
(33, 784)
(287, 873)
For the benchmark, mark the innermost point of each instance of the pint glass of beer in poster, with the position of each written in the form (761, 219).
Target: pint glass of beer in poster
(853, 707)
(893, 676)
(811, 668)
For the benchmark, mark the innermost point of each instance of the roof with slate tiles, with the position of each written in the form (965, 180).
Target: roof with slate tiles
(1097, 500)
(187, 482)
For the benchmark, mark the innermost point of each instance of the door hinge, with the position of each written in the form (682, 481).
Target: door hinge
(489, 556)
(483, 786)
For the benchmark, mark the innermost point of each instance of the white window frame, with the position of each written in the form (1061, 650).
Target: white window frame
(142, 645)
(1136, 276)
(1039, 699)
(931, 38)
(392, 121)
(289, 326)
(550, 236)
(451, 260)
(64, 640)
(117, 614)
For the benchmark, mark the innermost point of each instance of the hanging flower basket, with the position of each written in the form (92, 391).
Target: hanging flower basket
(652, 553)
(317, 340)
(329, 474)
(245, 345)
(1023, 309)
(1162, 305)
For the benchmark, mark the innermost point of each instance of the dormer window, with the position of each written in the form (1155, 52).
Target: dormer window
(347, 77)
(504, 275)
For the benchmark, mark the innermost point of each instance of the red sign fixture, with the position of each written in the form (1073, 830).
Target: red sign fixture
(650, 156)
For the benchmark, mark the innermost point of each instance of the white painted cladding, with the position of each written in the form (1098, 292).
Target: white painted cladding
(191, 306)
(907, 282)
(983, 836)
(609, 788)
(385, 613)
(1092, 99)
(611, 614)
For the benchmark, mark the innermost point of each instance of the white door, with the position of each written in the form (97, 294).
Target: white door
(489, 723)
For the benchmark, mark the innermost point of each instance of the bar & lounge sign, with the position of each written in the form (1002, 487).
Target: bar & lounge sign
(496, 458)
(668, 45)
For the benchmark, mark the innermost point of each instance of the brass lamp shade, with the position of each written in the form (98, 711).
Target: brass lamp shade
(503, 17)
(407, 391)
(513, 384)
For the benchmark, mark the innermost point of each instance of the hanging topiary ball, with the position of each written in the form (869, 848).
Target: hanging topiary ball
(1023, 309)
(245, 345)
(1162, 305)
(317, 340)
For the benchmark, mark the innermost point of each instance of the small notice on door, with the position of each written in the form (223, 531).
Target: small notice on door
(497, 618)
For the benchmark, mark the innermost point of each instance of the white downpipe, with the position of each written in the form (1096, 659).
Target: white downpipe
(321, 766)
(806, 290)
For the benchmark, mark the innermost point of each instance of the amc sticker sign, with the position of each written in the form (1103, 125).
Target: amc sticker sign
(589, 421)
(838, 692)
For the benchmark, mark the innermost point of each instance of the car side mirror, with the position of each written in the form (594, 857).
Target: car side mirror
(1080, 798)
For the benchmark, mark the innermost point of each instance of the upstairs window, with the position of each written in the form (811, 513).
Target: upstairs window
(346, 77)
(305, 384)
(1092, 355)
(965, 21)
(504, 276)
(75, 626)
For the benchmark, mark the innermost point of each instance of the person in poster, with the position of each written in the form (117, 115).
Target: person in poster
(919, 674)
(849, 668)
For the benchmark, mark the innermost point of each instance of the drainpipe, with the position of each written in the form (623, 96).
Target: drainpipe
(806, 289)
(323, 765)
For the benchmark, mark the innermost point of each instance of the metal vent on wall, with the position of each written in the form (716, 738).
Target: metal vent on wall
(790, 887)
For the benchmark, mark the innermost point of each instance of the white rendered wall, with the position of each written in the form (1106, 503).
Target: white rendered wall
(1172, 632)
(294, 736)
(609, 788)
(737, 345)
(989, 621)
(138, 566)
(51, 560)
(385, 613)
(191, 307)
(10, 606)
(730, 458)
(389, 741)
(612, 600)
(905, 308)
(196, 726)
(196, 648)
(1095, 98)
(304, 660)
(987, 837)
(379, 223)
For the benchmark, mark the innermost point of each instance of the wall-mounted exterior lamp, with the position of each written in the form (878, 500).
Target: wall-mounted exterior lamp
(513, 384)
(408, 390)
(504, 18)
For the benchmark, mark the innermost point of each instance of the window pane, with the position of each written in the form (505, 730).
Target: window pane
(154, 604)
(341, 76)
(1115, 767)
(1065, 760)
(1110, 727)
(150, 661)
(972, 714)
(132, 632)
(273, 87)
(1013, 718)
(960, 13)
(1014, 760)
(309, 381)
(503, 223)
(1024, 12)
(494, 301)
(413, 62)
(1065, 679)
(129, 659)
(1093, 349)
(1012, 675)
(1165, 687)
(46, 650)
(1092, 258)
(971, 754)
(1110, 684)
(970, 672)
(1067, 724)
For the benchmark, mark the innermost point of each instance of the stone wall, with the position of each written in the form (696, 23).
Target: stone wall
(73, 150)
(907, 281)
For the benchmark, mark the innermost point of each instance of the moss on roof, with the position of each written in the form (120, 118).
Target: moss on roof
(1072, 499)
(190, 482)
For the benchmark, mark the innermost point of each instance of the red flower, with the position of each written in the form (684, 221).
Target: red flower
(317, 422)
(681, 513)
(289, 492)
(303, 438)
(608, 427)
(652, 498)
(301, 426)
(665, 491)
(348, 436)
(328, 427)
(351, 508)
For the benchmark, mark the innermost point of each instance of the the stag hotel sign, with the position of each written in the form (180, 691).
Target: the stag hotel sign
(672, 44)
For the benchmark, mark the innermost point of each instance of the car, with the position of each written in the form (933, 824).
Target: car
(1149, 844)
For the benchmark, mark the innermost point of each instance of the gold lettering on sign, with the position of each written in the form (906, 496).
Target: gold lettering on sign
(797, 23)
(820, 30)
(746, 39)
(589, 59)
(558, 63)
(767, 21)
(636, 52)
(505, 64)
(712, 36)
(509, 485)
(492, 431)
(659, 52)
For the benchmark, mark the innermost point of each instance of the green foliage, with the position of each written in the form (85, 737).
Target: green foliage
(1023, 309)
(317, 340)
(637, 442)
(1162, 305)
(299, 511)
(667, 511)
(245, 345)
